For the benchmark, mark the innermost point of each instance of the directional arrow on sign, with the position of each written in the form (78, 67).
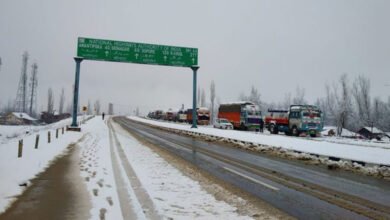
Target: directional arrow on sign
(165, 58)
(193, 60)
(136, 56)
(106, 53)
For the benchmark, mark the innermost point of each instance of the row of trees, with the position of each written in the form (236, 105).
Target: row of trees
(346, 103)
(350, 105)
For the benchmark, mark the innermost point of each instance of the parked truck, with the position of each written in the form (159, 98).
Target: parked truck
(203, 116)
(181, 116)
(170, 115)
(298, 119)
(243, 115)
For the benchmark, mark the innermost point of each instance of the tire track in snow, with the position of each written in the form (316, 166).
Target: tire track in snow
(141, 194)
(123, 195)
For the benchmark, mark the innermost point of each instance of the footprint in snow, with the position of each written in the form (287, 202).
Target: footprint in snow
(95, 192)
(109, 200)
(102, 214)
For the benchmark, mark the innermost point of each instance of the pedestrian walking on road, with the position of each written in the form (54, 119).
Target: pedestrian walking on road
(103, 115)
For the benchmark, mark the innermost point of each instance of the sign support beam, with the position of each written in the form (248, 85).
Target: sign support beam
(76, 93)
(194, 115)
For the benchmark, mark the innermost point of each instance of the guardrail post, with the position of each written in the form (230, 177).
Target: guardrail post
(36, 141)
(20, 148)
(63, 130)
(57, 133)
(48, 137)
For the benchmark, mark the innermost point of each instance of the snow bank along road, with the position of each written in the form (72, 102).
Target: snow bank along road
(368, 159)
(303, 191)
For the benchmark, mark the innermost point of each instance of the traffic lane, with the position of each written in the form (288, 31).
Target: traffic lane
(293, 202)
(375, 190)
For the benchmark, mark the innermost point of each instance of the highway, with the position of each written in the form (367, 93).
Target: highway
(303, 191)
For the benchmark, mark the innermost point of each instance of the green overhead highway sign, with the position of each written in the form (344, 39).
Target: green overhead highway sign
(119, 51)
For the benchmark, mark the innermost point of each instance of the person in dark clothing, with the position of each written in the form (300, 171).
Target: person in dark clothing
(261, 127)
(103, 115)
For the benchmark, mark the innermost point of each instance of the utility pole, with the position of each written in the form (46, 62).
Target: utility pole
(21, 96)
(0, 63)
(33, 87)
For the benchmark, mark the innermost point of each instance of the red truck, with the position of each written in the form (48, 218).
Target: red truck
(243, 115)
(203, 115)
(299, 119)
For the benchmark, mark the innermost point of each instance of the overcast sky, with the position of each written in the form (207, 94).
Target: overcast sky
(272, 45)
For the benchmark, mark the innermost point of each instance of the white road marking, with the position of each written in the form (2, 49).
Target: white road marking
(251, 179)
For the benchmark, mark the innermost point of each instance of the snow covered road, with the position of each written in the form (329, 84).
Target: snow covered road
(124, 179)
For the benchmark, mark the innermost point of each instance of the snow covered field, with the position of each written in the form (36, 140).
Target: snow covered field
(14, 170)
(368, 152)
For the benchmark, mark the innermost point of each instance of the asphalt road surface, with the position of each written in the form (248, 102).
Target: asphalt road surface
(303, 191)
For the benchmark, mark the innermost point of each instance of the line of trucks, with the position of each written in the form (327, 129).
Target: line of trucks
(296, 120)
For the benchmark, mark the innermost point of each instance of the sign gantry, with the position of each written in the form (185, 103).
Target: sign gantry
(130, 52)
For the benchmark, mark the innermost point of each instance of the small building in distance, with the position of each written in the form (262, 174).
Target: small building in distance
(371, 132)
(49, 118)
(17, 118)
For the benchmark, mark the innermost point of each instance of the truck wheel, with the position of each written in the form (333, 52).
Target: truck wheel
(276, 130)
(242, 127)
(272, 129)
(295, 131)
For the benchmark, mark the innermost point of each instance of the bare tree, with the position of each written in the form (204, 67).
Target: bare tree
(337, 104)
(97, 107)
(344, 103)
(299, 98)
(89, 108)
(361, 94)
(203, 99)
(50, 101)
(243, 97)
(68, 108)
(287, 101)
(327, 105)
(254, 96)
(381, 114)
(212, 99)
(62, 101)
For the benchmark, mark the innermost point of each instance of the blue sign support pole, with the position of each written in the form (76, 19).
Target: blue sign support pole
(194, 115)
(76, 92)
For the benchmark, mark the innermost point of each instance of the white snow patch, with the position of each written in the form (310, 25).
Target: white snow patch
(175, 196)
(374, 153)
(14, 170)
